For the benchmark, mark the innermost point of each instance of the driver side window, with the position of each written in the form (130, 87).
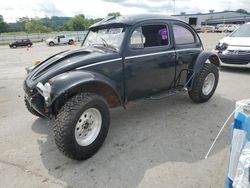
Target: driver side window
(150, 36)
(137, 39)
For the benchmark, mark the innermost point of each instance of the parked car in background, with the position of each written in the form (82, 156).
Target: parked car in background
(18, 43)
(122, 59)
(234, 50)
(197, 28)
(60, 39)
(207, 29)
(225, 28)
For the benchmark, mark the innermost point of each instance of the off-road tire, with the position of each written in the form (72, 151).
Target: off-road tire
(31, 109)
(67, 118)
(196, 93)
(51, 43)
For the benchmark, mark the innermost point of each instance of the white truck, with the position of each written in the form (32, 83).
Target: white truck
(60, 39)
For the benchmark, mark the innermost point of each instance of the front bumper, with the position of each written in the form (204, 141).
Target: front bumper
(235, 65)
(36, 101)
(235, 60)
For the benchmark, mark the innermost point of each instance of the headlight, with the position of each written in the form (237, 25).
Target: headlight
(44, 90)
(29, 69)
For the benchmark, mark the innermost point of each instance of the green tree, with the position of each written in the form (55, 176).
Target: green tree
(55, 22)
(3, 25)
(36, 26)
(21, 23)
(114, 14)
(243, 11)
(77, 23)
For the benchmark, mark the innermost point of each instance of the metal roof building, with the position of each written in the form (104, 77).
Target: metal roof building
(214, 18)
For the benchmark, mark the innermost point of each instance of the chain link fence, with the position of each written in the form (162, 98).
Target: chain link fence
(36, 37)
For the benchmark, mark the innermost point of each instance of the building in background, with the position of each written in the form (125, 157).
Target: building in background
(214, 18)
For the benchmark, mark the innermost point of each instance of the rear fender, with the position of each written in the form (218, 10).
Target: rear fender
(204, 57)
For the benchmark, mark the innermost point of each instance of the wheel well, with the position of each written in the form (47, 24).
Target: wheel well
(105, 91)
(99, 88)
(214, 60)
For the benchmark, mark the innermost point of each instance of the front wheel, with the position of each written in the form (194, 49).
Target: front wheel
(81, 126)
(51, 43)
(205, 83)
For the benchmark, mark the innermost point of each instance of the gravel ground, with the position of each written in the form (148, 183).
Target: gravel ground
(152, 144)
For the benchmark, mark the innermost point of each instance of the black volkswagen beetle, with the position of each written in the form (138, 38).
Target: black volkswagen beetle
(121, 59)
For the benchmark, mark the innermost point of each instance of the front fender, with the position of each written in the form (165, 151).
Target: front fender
(71, 82)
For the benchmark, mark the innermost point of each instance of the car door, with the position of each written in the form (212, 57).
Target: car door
(22, 43)
(188, 46)
(63, 39)
(19, 43)
(149, 60)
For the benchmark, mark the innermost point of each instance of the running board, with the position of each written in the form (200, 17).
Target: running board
(168, 93)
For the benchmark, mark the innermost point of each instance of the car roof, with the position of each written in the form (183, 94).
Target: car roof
(132, 19)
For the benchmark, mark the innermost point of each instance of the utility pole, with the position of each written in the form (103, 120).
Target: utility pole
(174, 7)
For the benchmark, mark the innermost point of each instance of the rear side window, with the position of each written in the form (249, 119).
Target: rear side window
(182, 35)
(150, 36)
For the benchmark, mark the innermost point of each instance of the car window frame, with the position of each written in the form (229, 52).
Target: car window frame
(162, 47)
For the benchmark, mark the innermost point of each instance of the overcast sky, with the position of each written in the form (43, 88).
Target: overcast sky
(14, 9)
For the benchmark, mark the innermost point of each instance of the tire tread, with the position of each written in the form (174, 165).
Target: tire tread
(196, 93)
(62, 132)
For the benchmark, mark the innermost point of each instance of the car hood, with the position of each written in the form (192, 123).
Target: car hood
(236, 41)
(66, 61)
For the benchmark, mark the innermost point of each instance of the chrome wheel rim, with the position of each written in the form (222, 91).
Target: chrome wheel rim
(208, 84)
(88, 127)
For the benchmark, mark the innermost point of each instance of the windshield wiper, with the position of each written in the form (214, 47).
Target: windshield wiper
(104, 41)
(108, 45)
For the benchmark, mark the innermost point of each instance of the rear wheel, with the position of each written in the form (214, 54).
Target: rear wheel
(71, 42)
(14, 46)
(81, 126)
(205, 83)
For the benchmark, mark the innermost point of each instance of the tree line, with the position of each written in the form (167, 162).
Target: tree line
(55, 23)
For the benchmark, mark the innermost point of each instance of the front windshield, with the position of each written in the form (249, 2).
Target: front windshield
(109, 37)
(243, 31)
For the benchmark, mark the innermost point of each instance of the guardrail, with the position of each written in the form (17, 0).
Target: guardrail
(78, 35)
